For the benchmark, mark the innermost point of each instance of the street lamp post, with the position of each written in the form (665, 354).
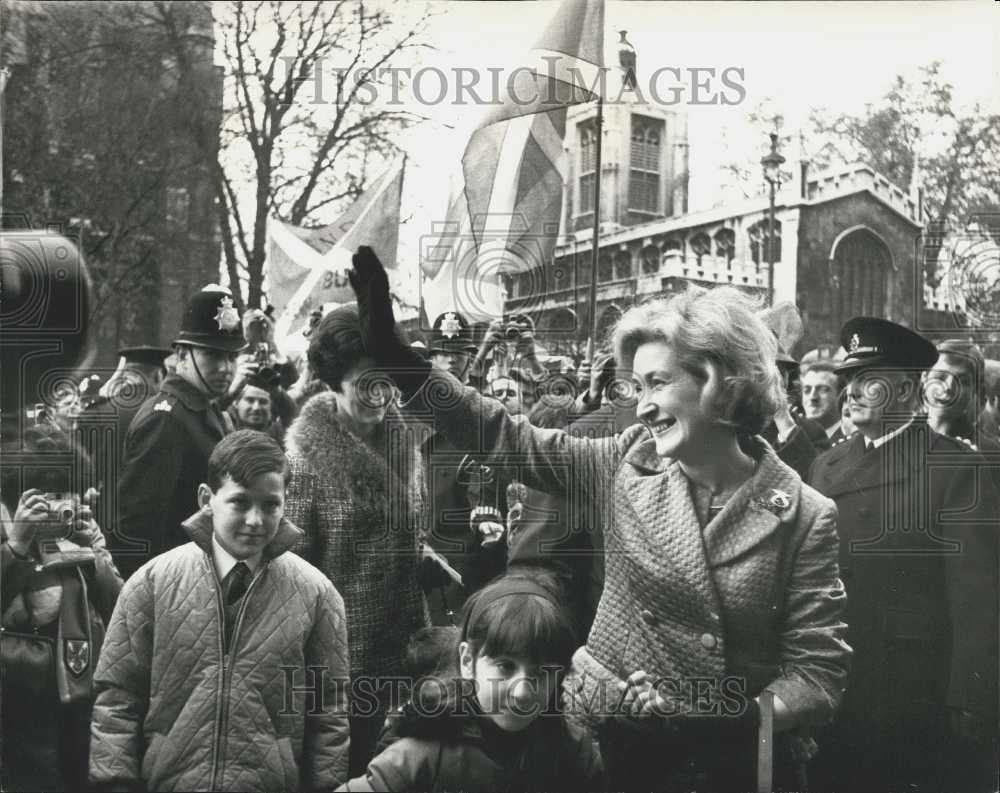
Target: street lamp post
(771, 162)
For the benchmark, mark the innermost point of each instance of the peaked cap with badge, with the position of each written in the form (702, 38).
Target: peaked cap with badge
(451, 333)
(211, 320)
(872, 342)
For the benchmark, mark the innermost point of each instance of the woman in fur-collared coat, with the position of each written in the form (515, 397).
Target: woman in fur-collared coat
(356, 491)
(721, 565)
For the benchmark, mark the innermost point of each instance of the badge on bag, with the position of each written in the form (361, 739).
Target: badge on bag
(77, 655)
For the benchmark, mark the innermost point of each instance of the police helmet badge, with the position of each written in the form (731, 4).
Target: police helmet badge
(227, 316)
(855, 343)
(450, 326)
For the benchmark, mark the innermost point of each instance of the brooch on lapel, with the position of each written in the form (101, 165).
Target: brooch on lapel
(775, 501)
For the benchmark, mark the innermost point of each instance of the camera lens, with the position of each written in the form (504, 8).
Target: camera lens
(513, 331)
(66, 514)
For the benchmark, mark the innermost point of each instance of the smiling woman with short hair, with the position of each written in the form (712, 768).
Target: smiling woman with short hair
(721, 565)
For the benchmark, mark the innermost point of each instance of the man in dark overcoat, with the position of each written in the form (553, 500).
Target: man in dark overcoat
(171, 437)
(918, 557)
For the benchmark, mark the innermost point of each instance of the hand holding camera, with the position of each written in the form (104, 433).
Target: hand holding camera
(246, 367)
(31, 514)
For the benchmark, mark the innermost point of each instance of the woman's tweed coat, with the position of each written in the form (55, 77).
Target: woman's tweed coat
(361, 508)
(753, 595)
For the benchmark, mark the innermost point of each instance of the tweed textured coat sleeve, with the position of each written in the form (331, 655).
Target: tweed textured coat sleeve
(552, 461)
(362, 512)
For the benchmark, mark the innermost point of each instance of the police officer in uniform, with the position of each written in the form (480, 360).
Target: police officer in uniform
(918, 557)
(174, 432)
(104, 421)
(465, 496)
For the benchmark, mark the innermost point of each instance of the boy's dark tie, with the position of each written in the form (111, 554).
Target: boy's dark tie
(234, 587)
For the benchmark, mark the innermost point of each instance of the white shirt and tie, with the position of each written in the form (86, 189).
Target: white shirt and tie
(235, 576)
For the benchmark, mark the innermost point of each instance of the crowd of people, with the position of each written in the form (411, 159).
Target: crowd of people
(437, 564)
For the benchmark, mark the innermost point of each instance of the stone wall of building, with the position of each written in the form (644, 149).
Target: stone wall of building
(822, 286)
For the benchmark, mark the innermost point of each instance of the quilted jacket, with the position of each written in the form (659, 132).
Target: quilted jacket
(361, 508)
(754, 596)
(174, 713)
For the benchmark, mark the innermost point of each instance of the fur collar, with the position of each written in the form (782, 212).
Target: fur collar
(317, 439)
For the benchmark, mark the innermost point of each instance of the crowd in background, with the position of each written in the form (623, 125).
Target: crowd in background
(375, 509)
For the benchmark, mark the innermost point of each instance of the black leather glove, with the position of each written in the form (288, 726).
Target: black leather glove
(378, 325)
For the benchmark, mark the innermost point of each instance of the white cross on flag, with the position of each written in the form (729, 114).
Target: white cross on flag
(307, 268)
(506, 219)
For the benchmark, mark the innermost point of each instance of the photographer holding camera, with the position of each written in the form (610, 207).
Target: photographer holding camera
(59, 585)
(509, 345)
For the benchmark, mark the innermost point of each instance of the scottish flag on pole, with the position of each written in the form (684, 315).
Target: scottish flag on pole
(506, 217)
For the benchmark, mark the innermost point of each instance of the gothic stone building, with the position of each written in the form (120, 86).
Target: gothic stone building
(846, 242)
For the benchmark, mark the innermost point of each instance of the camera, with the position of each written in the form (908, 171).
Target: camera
(266, 372)
(512, 332)
(61, 515)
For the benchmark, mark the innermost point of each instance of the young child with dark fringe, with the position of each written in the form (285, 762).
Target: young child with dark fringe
(496, 724)
(225, 663)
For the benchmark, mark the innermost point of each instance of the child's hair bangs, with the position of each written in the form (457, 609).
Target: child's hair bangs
(526, 626)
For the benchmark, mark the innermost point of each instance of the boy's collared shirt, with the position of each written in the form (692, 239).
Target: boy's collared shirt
(225, 561)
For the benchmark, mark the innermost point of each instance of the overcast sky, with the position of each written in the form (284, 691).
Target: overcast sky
(800, 55)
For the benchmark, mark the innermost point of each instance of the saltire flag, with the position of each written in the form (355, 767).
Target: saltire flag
(506, 217)
(307, 268)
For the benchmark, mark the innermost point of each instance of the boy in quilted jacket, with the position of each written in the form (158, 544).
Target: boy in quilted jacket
(225, 663)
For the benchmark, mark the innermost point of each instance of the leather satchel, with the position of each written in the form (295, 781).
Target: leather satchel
(28, 659)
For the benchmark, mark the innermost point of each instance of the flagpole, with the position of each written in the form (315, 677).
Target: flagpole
(4, 75)
(592, 341)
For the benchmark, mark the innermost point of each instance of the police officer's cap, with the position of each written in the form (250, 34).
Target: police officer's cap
(211, 320)
(872, 342)
(145, 354)
(451, 333)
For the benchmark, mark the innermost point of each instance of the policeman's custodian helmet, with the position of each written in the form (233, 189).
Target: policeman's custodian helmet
(211, 320)
(451, 333)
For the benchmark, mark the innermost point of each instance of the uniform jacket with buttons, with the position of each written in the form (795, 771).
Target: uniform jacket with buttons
(166, 458)
(918, 554)
(755, 595)
(174, 711)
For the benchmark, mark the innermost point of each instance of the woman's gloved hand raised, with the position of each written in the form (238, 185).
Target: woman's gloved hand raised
(378, 325)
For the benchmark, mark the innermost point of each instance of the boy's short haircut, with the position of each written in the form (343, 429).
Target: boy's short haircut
(244, 455)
